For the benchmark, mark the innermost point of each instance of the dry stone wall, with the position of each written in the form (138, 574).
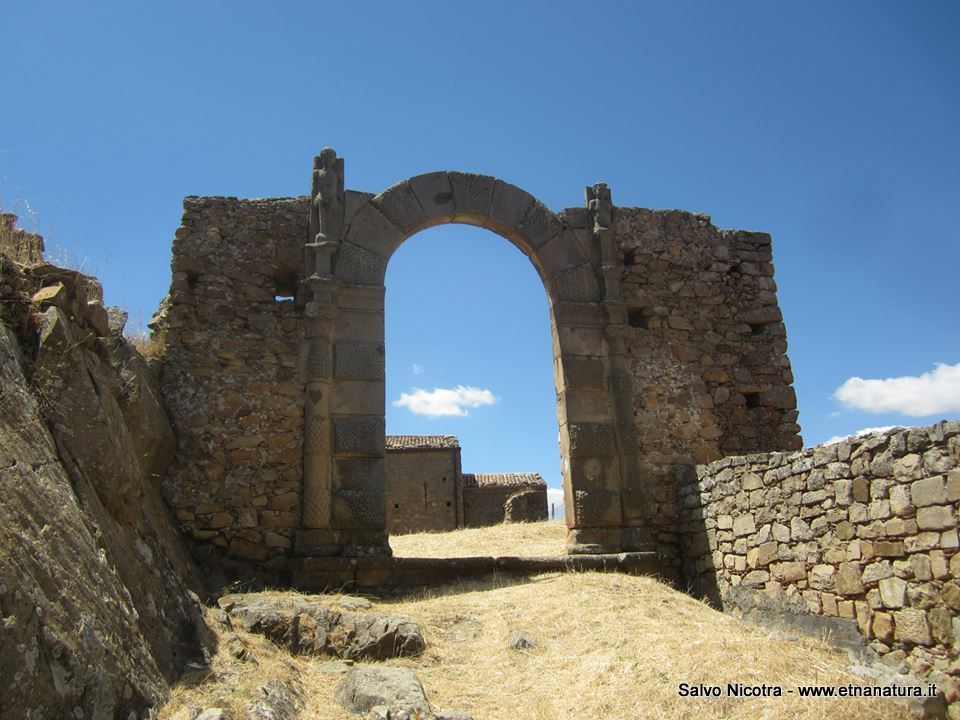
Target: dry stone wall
(861, 533)
(708, 370)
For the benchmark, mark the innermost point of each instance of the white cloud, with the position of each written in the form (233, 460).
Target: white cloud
(932, 393)
(859, 433)
(417, 369)
(442, 402)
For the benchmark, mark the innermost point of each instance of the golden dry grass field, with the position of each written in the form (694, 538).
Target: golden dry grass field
(610, 646)
(519, 539)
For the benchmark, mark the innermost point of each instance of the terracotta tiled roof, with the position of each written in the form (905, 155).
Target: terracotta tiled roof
(503, 480)
(422, 442)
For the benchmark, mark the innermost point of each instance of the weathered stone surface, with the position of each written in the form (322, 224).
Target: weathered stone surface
(274, 700)
(521, 640)
(910, 626)
(893, 592)
(99, 617)
(848, 579)
(312, 626)
(365, 687)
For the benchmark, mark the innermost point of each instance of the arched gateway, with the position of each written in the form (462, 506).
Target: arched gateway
(668, 350)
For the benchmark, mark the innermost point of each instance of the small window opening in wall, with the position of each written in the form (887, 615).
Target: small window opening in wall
(396, 506)
(758, 328)
(638, 318)
(753, 399)
(735, 269)
(192, 279)
(443, 480)
(449, 503)
(285, 285)
(630, 257)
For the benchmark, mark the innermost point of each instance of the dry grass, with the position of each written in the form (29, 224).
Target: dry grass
(145, 343)
(523, 539)
(611, 646)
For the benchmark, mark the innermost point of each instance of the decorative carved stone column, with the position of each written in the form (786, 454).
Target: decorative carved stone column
(635, 531)
(316, 366)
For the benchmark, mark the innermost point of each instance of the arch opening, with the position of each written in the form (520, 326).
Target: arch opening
(468, 389)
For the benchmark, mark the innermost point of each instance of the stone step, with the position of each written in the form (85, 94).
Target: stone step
(340, 573)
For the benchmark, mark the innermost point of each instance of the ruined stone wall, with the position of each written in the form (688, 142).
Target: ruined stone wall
(229, 375)
(669, 350)
(421, 489)
(483, 506)
(708, 367)
(862, 533)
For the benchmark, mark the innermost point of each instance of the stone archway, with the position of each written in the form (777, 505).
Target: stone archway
(352, 238)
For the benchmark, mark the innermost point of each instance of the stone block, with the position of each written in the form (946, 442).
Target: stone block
(751, 481)
(941, 626)
(725, 522)
(584, 406)
(577, 340)
(472, 196)
(358, 473)
(950, 594)
(781, 533)
(577, 284)
(372, 231)
(359, 266)
(843, 492)
(900, 501)
(583, 372)
(953, 486)
(762, 555)
(883, 627)
(907, 467)
(561, 252)
(789, 572)
(539, 225)
(936, 517)
(938, 565)
(910, 626)
(359, 361)
(893, 592)
(400, 206)
(744, 525)
(435, 196)
(821, 577)
(359, 435)
(929, 491)
(592, 439)
(508, 208)
(921, 566)
(888, 548)
(848, 580)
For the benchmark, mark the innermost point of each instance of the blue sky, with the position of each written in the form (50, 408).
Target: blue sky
(831, 125)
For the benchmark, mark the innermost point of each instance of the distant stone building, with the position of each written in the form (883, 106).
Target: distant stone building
(491, 498)
(424, 485)
(427, 492)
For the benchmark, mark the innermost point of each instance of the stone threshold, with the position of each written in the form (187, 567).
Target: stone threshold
(340, 573)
